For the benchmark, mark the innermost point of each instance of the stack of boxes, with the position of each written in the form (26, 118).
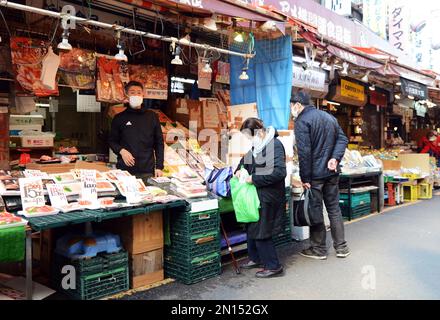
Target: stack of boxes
(360, 204)
(194, 251)
(95, 278)
(26, 123)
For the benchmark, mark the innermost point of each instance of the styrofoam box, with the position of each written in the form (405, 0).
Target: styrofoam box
(37, 141)
(20, 127)
(26, 119)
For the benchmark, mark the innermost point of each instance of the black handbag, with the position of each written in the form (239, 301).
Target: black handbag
(307, 213)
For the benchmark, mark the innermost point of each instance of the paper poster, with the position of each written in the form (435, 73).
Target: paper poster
(88, 186)
(222, 72)
(204, 77)
(112, 75)
(87, 103)
(77, 68)
(130, 186)
(31, 191)
(57, 196)
(210, 113)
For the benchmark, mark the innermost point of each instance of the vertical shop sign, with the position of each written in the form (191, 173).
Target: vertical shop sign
(374, 17)
(398, 25)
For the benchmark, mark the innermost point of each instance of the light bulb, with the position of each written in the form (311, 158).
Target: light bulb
(239, 37)
(372, 87)
(397, 96)
(64, 44)
(210, 24)
(244, 76)
(177, 60)
(121, 56)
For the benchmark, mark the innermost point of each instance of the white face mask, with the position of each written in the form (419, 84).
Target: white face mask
(135, 101)
(295, 112)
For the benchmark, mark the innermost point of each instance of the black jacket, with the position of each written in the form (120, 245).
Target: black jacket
(140, 133)
(319, 138)
(268, 172)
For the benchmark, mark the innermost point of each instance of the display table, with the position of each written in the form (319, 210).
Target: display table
(38, 224)
(349, 182)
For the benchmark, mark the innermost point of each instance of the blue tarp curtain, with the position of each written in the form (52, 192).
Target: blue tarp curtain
(270, 81)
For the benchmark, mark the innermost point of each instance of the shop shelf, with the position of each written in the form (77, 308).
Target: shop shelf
(425, 191)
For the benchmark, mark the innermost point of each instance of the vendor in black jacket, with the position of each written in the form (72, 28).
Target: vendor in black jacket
(136, 136)
(266, 165)
(321, 145)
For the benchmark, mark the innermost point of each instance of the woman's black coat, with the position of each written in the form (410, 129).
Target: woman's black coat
(268, 172)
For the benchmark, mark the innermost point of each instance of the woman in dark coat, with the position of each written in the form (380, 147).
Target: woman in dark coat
(266, 165)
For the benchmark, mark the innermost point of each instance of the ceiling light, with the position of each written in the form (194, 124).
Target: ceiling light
(210, 24)
(120, 56)
(333, 103)
(176, 51)
(397, 96)
(64, 44)
(239, 37)
(372, 87)
(365, 78)
(399, 83)
(244, 75)
(177, 60)
(411, 97)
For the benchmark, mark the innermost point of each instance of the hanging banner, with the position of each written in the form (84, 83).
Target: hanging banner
(353, 58)
(112, 76)
(309, 79)
(154, 79)
(415, 89)
(352, 90)
(374, 16)
(378, 99)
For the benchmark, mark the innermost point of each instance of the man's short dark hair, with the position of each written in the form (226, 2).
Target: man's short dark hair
(133, 84)
(301, 97)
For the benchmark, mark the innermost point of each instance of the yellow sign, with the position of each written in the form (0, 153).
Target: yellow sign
(352, 90)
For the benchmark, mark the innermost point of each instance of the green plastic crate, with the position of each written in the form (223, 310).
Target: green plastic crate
(357, 212)
(98, 264)
(194, 223)
(101, 285)
(357, 199)
(197, 270)
(196, 245)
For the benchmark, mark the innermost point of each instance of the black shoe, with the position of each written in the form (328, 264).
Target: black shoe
(270, 273)
(310, 253)
(251, 265)
(343, 253)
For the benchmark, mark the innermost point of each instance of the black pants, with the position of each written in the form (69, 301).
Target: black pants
(328, 191)
(264, 252)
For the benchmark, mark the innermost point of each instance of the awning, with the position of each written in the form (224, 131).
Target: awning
(353, 58)
(392, 69)
(223, 7)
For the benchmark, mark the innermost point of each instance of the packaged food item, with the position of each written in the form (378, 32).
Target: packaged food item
(9, 220)
(38, 211)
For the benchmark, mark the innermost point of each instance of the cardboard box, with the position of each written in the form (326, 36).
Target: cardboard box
(416, 160)
(392, 165)
(238, 113)
(37, 141)
(26, 120)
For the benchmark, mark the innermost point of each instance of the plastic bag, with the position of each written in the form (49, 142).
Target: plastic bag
(245, 200)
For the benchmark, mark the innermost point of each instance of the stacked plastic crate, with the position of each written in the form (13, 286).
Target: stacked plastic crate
(360, 204)
(194, 251)
(95, 278)
(285, 237)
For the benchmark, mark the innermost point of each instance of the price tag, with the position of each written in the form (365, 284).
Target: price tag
(88, 186)
(35, 174)
(31, 191)
(57, 196)
(131, 190)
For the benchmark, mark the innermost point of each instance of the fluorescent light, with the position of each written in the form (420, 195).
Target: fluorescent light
(333, 103)
(399, 83)
(397, 96)
(177, 79)
(42, 105)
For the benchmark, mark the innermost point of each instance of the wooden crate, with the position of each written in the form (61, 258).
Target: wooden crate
(146, 268)
(140, 233)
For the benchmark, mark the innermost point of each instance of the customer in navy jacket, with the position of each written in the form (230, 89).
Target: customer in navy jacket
(321, 145)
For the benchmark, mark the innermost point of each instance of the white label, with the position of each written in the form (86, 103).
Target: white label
(35, 174)
(57, 196)
(130, 186)
(88, 185)
(31, 191)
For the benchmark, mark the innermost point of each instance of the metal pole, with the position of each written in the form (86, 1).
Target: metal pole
(59, 15)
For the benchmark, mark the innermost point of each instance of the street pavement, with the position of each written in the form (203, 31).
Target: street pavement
(395, 255)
